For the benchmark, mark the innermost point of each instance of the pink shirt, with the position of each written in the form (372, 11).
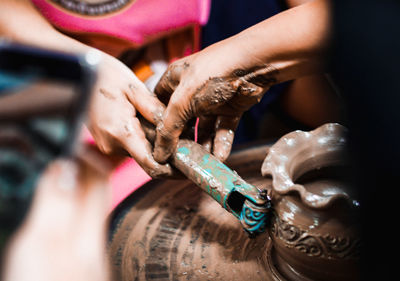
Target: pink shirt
(135, 21)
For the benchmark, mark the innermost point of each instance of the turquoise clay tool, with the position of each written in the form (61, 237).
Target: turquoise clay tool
(245, 201)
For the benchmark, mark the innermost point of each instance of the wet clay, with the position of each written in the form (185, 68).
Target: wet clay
(174, 231)
(245, 201)
(224, 185)
(226, 96)
(314, 233)
(239, 91)
(171, 230)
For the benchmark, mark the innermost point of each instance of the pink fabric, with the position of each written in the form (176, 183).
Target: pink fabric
(137, 22)
(142, 19)
(125, 179)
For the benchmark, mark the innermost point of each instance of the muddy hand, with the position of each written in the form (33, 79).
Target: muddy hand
(220, 82)
(219, 102)
(113, 118)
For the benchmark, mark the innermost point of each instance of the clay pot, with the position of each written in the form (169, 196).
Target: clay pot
(172, 230)
(314, 229)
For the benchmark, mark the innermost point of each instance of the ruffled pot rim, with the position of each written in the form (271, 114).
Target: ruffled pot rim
(326, 144)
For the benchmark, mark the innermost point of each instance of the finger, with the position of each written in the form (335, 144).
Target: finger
(224, 135)
(206, 131)
(146, 103)
(148, 129)
(176, 115)
(150, 132)
(140, 149)
(168, 82)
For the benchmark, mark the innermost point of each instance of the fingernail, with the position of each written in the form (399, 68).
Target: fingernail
(161, 171)
(161, 155)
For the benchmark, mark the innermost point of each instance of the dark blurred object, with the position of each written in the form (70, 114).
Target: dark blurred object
(43, 95)
(366, 60)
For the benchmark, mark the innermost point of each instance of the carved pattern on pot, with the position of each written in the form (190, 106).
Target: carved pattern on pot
(313, 230)
(324, 246)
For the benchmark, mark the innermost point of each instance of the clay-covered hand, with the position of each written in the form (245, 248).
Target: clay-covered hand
(222, 81)
(118, 94)
(113, 116)
(214, 87)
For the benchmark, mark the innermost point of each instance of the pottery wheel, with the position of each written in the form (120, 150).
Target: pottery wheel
(171, 230)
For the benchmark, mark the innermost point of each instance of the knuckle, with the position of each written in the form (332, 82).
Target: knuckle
(157, 174)
(182, 107)
(172, 74)
(162, 132)
(105, 148)
(114, 132)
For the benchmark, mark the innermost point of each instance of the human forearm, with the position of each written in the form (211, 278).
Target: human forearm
(21, 22)
(292, 43)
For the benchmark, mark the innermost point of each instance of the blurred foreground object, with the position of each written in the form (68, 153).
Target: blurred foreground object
(43, 97)
(63, 237)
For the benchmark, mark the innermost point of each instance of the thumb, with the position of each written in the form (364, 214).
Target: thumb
(176, 115)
